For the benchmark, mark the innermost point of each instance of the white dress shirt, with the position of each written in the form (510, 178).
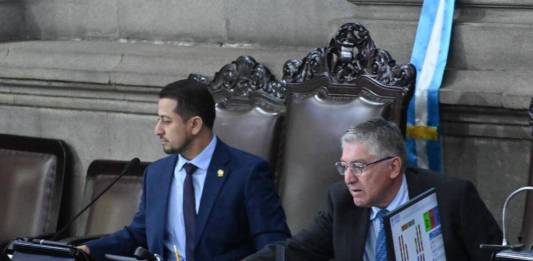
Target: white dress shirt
(370, 245)
(175, 228)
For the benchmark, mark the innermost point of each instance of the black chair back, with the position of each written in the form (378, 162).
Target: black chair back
(32, 173)
(117, 206)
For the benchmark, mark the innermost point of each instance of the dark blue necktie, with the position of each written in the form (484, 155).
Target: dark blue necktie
(381, 244)
(189, 211)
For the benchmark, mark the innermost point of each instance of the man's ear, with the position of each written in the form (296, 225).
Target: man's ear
(196, 124)
(396, 167)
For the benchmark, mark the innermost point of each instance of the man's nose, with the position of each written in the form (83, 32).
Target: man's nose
(158, 130)
(349, 177)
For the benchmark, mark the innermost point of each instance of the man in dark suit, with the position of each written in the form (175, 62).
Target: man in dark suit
(206, 201)
(376, 181)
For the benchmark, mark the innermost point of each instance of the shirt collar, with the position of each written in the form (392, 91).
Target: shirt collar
(202, 160)
(401, 197)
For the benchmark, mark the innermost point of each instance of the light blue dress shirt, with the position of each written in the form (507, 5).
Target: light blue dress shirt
(175, 228)
(401, 197)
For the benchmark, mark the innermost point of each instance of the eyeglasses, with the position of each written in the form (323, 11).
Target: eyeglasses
(357, 168)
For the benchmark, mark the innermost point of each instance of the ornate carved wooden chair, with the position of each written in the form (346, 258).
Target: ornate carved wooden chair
(328, 91)
(32, 173)
(249, 105)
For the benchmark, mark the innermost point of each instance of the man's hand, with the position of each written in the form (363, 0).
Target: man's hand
(85, 249)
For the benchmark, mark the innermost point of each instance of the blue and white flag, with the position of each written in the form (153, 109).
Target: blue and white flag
(429, 56)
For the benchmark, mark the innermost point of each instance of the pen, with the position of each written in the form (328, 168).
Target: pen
(177, 253)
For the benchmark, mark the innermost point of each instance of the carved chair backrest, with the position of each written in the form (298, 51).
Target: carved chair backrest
(249, 106)
(32, 173)
(330, 90)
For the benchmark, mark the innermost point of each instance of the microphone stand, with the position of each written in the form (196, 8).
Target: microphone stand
(140, 254)
(132, 164)
(512, 252)
(504, 241)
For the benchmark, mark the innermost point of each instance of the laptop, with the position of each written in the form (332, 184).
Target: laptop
(414, 230)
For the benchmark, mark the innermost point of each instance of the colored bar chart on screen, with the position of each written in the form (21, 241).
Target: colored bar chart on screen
(415, 230)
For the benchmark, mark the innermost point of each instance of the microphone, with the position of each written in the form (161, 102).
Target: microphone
(143, 254)
(132, 164)
(280, 253)
(51, 247)
(504, 241)
(505, 245)
(140, 254)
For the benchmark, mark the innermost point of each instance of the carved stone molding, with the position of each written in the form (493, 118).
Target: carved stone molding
(389, 2)
(485, 123)
(465, 3)
(351, 54)
(78, 96)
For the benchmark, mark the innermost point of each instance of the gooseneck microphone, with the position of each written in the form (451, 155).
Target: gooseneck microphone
(132, 164)
(509, 249)
(39, 247)
(143, 254)
(140, 254)
(504, 241)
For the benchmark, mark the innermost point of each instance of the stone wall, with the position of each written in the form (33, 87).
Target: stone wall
(276, 22)
(100, 97)
(91, 73)
(11, 19)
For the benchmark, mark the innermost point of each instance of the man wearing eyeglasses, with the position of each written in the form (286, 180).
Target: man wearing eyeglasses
(376, 181)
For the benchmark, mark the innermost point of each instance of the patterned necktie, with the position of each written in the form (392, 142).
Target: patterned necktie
(189, 211)
(381, 245)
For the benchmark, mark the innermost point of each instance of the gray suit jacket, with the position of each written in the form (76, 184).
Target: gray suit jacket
(340, 230)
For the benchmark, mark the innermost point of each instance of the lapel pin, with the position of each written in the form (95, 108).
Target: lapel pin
(220, 173)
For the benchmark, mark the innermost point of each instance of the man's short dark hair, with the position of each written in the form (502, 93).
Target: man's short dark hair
(193, 98)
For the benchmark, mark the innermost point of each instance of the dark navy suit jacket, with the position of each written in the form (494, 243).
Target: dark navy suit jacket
(239, 212)
(340, 231)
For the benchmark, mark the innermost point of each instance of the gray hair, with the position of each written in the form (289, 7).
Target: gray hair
(382, 138)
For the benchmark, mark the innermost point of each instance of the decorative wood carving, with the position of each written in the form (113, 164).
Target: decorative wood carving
(245, 77)
(351, 54)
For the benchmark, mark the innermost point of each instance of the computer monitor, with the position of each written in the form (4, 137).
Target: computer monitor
(414, 230)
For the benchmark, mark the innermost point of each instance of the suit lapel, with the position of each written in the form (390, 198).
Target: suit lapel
(415, 186)
(217, 174)
(350, 244)
(361, 230)
(163, 178)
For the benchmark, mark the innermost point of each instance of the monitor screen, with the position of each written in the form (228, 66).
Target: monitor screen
(414, 230)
